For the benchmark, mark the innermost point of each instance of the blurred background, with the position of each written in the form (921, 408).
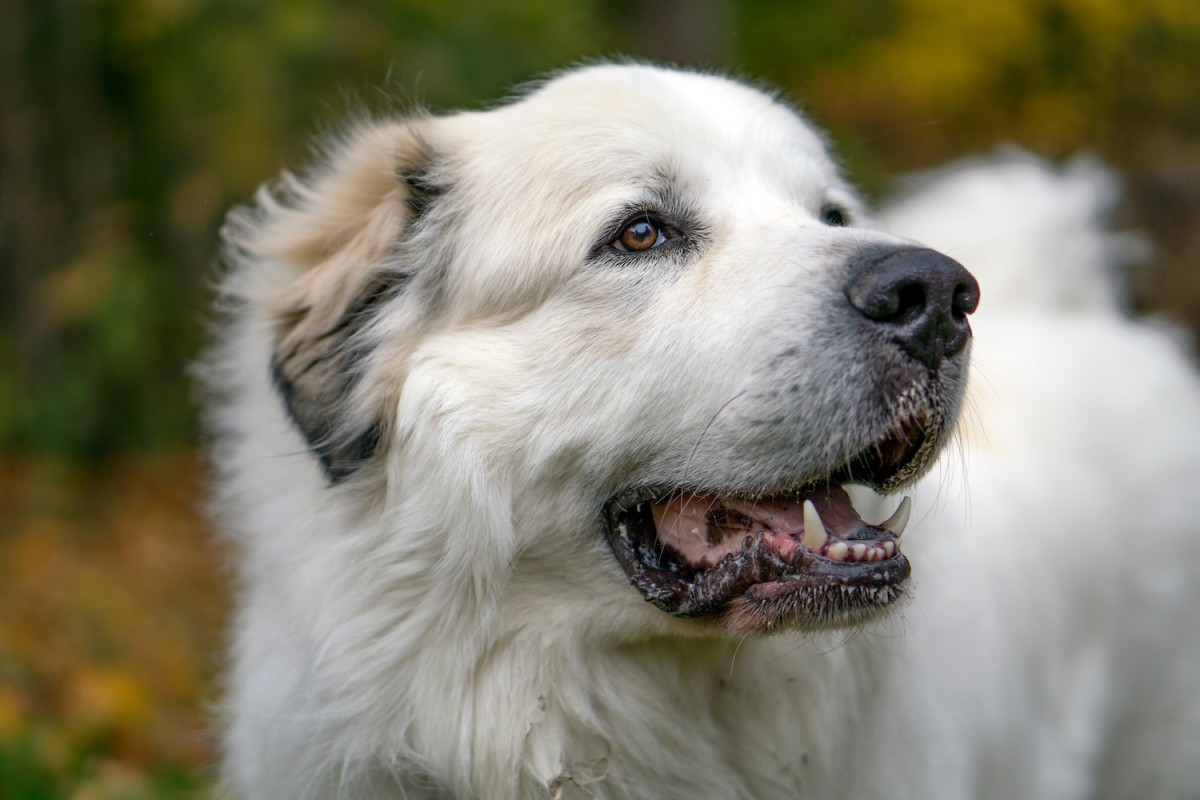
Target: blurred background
(129, 127)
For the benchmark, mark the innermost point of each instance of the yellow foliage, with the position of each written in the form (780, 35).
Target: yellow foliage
(945, 51)
(1056, 75)
(12, 719)
(106, 699)
(110, 615)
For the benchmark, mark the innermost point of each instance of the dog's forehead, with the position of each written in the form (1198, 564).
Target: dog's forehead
(606, 124)
(673, 110)
(630, 96)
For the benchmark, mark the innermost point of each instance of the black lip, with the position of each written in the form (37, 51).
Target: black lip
(678, 589)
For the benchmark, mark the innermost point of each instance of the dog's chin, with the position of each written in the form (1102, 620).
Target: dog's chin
(798, 557)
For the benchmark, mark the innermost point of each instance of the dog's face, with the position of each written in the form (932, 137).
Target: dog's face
(629, 328)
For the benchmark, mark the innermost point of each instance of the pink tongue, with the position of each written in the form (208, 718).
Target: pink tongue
(703, 528)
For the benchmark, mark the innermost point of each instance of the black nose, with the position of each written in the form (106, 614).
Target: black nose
(920, 298)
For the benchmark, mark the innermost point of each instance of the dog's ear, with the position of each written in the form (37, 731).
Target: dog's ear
(336, 236)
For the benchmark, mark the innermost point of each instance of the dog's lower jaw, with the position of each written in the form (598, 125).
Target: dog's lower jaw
(758, 611)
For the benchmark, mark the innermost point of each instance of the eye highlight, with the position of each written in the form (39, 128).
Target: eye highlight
(835, 216)
(644, 233)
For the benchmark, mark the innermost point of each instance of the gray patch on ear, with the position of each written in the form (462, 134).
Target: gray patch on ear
(423, 190)
(316, 379)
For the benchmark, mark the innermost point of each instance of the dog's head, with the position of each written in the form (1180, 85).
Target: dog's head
(633, 321)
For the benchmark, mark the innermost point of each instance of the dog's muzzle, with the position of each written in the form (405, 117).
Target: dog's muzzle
(753, 561)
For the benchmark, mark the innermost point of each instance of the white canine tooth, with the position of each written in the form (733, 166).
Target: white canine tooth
(858, 551)
(889, 549)
(837, 551)
(897, 522)
(814, 530)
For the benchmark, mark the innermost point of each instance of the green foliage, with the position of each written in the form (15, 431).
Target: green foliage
(113, 379)
(22, 776)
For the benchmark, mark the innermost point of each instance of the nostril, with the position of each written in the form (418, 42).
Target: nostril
(964, 301)
(911, 300)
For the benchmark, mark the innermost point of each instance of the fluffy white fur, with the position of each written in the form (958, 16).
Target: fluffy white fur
(445, 618)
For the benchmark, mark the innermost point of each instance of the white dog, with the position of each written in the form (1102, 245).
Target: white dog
(534, 422)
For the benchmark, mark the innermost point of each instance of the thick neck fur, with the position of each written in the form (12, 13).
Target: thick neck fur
(517, 696)
(526, 710)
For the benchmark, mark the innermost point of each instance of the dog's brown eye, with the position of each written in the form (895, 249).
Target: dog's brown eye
(639, 236)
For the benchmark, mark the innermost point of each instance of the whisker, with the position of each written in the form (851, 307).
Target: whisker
(700, 438)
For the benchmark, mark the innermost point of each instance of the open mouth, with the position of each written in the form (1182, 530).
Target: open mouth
(802, 556)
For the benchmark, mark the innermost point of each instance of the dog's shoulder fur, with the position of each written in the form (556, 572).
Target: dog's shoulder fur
(433, 374)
